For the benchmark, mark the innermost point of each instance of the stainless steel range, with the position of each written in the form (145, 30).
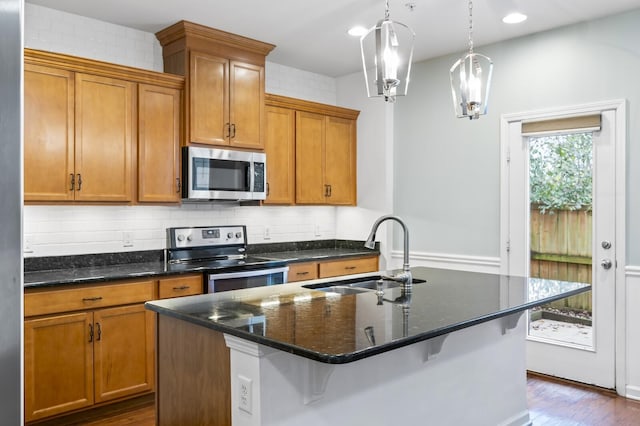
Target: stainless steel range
(221, 251)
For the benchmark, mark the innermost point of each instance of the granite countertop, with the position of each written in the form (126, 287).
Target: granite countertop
(87, 269)
(336, 328)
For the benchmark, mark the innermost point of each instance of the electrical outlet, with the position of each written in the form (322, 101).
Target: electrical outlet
(267, 233)
(127, 239)
(28, 244)
(245, 397)
(316, 230)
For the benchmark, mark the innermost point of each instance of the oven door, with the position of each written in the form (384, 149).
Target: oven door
(247, 279)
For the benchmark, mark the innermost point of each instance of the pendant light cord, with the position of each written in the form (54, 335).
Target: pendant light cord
(386, 10)
(470, 26)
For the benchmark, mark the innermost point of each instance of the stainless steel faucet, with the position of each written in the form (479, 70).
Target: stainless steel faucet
(403, 277)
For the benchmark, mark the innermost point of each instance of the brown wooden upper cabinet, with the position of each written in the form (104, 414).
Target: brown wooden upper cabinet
(78, 136)
(159, 144)
(280, 143)
(224, 75)
(314, 142)
(82, 130)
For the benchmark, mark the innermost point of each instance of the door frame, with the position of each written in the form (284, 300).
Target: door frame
(508, 249)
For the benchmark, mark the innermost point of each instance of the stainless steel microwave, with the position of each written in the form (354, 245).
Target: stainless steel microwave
(223, 174)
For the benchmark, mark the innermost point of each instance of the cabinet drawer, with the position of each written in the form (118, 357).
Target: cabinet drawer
(302, 271)
(185, 285)
(75, 298)
(349, 266)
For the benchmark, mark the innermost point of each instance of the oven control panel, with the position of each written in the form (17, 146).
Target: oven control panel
(207, 236)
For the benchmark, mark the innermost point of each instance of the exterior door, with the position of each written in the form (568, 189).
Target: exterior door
(590, 360)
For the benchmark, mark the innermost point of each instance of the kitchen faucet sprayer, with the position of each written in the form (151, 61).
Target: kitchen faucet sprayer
(403, 277)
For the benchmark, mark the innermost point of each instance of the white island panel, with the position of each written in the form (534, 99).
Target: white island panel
(478, 377)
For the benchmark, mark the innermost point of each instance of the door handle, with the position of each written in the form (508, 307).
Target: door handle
(72, 182)
(606, 263)
(178, 186)
(233, 131)
(99, 331)
(606, 245)
(90, 333)
(79, 181)
(228, 126)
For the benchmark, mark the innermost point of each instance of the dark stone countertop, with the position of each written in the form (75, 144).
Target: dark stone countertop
(337, 328)
(87, 269)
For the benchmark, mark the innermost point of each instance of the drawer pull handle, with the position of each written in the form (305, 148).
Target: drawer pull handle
(90, 333)
(91, 299)
(349, 267)
(99, 329)
(302, 273)
(182, 287)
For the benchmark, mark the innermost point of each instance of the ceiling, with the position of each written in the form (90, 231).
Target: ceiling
(312, 34)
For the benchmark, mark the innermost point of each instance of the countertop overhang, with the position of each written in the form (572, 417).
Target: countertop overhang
(341, 328)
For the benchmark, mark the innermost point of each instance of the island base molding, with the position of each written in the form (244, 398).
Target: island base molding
(477, 378)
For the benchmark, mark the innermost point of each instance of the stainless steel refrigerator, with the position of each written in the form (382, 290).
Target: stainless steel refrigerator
(11, 12)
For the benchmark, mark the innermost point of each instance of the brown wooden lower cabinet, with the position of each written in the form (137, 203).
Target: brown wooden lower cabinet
(76, 360)
(332, 268)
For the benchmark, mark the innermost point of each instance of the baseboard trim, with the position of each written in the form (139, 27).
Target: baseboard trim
(520, 419)
(483, 264)
(633, 392)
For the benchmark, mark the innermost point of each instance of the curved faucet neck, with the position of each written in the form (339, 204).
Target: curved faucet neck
(405, 231)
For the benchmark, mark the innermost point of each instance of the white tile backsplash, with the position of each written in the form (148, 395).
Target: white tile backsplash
(66, 230)
(69, 229)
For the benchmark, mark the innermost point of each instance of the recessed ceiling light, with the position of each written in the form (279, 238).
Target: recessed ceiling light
(514, 18)
(357, 31)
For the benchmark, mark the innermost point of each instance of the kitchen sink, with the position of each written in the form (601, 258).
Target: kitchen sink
(358, 285)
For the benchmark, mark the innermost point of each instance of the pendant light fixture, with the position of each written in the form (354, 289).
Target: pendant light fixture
(387, 50)
(471, 80)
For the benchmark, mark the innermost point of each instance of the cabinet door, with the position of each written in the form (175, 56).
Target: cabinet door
(280, 149)
(182, 285)
(58, 364)
(302, 271)
(336, 268)
(310, 135)
(158, 144)
(246, 107)
(48, 133)
(123, 351)
(340, 161)
(104, 138)
(208, 108)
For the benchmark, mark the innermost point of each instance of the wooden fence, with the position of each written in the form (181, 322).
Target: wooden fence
(561, 250)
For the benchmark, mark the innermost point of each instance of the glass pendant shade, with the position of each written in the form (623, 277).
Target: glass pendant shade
(470, 85)
(387, 51)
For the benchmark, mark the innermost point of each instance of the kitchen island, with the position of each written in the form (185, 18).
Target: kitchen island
(330, 352)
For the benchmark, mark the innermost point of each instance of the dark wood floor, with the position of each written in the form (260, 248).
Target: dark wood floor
(552, 402)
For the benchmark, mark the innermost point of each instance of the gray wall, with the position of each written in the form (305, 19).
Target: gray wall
(447, 170)
(10, 212)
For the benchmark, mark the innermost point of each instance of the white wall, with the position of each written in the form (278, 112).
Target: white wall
(447, 180)
(70, 229)
(375, 166)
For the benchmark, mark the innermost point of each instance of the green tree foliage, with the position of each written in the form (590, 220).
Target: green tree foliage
(560, 172)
